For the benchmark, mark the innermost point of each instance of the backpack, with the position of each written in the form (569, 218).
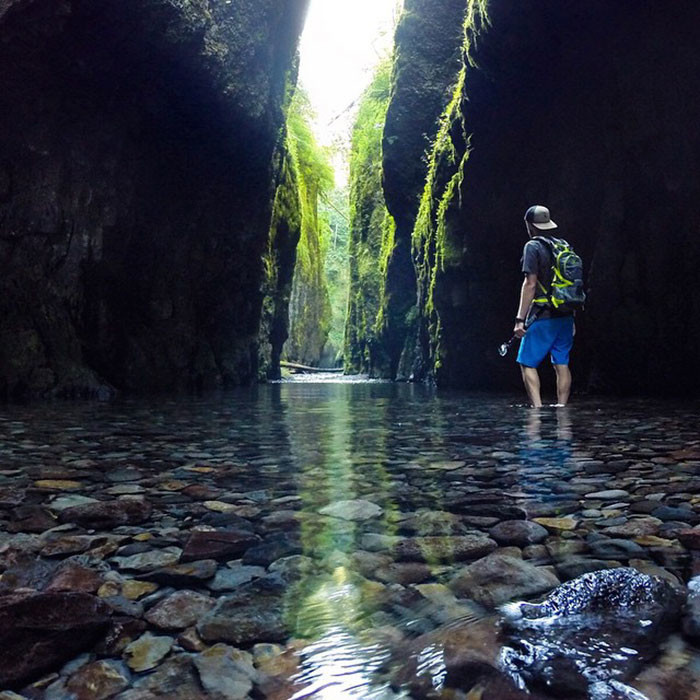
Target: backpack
(566, 288)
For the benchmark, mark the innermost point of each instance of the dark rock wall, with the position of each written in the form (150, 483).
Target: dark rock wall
(592, 109)
(426, 63)
(137, 145)
(279, 262)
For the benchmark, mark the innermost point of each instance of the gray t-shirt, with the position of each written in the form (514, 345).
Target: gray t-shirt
(537, 260)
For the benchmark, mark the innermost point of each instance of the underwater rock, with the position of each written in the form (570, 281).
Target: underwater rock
(40, 632)
(597, 630)
(106, 515)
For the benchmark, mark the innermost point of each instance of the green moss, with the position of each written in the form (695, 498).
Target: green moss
(310, 309)
(370, 223)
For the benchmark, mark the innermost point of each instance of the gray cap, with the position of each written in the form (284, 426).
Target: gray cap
(539, 217)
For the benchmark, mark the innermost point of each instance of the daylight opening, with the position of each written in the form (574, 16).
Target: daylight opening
(342, 46)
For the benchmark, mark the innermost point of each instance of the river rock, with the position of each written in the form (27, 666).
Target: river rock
(518, 532)
(99, 680)
(356, 510)
(496, 579)
(147, 651)
(40, 632)
(615, 549)
(222, 545)
(404, 574)
(670, 513)
(150, 560)
(635, 527)
(107, 514)
(250, 615)
(464, 653)
(225, 672)
(194, 573)
(180, 610)
(609, 495)
(174, 678)
(444, 549)
(230, 578)
(74, 577)
(272, 549)
(690, 538)
(70, 500)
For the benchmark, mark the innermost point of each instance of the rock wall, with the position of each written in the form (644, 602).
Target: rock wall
(371, 228)
(137, 146)
(426, 64)
(592, 109)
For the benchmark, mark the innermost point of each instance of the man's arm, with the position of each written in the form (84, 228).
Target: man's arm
(527, 294)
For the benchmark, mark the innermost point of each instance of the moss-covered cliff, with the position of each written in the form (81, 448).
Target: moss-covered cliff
(309, 310)
(371, 226)
(426, 64)
(591, 109)
(137, 146)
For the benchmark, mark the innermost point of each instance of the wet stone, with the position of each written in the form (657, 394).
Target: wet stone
(228, 579)
(615, 549)
(180, 610)
(444, 549)
(496, 579)
(609, 495)
(684, 515)
(99, 680)
(518, 532)
(147, 651)
(40, 632)
(356, 510)
(248, 616)
(221, 545)
(225, 672)
(271, 550)
(77, 578)
(149, 560)
(636, 527)
(107, 514)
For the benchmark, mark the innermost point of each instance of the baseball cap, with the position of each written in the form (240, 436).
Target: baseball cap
(539, 217)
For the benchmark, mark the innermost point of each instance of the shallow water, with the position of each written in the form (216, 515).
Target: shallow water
(422, 463)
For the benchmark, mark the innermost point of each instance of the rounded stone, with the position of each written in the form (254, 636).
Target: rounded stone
(518, 532)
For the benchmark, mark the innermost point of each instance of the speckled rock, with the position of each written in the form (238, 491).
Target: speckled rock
(180, 610)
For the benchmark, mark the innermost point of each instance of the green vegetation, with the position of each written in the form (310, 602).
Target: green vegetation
(371, 227)
(333, 211)
(310, 307)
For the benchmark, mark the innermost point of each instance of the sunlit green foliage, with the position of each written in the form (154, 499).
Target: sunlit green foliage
(333, 210)
(310, 308)
(369, 222)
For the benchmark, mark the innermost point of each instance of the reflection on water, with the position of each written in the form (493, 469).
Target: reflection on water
(422, 484)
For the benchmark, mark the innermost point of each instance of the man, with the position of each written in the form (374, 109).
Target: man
(549, 331)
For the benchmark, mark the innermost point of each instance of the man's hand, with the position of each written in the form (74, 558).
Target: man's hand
(519, 330)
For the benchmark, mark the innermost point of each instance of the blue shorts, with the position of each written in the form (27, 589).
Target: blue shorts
(548, 335)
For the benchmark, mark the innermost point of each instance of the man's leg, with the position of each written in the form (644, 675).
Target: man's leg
(563, 384)
(531, 379)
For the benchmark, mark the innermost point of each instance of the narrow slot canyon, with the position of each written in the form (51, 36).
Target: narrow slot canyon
(276, 278)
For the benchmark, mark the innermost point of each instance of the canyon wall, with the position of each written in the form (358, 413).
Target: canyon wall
(591, 109)
(138, 150)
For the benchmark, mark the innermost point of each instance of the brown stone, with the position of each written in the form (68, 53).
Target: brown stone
(444, 549)
(220, 544)
(73, 577)
(39, 633)
(180, 610)
(108, 514)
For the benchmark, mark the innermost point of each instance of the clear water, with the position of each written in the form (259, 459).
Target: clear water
(304, 445)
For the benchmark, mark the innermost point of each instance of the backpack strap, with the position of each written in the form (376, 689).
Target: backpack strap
(545, 297)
